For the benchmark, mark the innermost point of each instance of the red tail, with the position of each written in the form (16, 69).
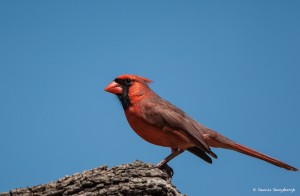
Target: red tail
(215, 139)
(253, 153)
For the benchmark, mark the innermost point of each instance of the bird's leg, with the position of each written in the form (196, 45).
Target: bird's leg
(163, 164)
(174, 153)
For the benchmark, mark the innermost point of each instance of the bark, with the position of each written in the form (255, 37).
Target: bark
(136, 178)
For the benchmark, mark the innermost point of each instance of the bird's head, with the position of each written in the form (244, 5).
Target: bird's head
(128, 88)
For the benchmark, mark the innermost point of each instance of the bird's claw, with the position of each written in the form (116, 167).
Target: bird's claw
(166, 168)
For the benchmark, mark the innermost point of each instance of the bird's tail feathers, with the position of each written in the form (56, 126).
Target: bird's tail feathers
(220, 141)
(248, 151)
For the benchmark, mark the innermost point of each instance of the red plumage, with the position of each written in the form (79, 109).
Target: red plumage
(161, 123)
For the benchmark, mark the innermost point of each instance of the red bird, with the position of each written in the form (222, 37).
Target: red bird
(161, 123)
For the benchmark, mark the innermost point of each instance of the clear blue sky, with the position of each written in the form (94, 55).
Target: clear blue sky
(232, 65)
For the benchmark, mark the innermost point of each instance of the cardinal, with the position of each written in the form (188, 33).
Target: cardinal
(161, 123)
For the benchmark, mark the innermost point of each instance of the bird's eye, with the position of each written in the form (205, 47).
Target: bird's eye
(128, 81)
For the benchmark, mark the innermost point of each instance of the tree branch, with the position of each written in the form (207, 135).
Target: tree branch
(136, 178)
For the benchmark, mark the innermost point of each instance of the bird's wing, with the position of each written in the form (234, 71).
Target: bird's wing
(165, 115)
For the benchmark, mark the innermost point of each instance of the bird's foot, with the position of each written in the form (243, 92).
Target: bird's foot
(166, 168)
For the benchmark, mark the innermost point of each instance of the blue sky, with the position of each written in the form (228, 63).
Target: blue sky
(232, 65)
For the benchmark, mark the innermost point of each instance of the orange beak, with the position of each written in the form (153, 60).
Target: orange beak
(114, 88)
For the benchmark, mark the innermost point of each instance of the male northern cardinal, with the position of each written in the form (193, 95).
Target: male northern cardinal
(161, 123)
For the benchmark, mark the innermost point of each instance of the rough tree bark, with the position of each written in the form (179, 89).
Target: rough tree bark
(136, 178)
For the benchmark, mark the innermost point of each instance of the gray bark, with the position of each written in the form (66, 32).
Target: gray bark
(136, 178)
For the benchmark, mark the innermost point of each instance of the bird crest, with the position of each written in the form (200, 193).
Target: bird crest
(135, 78)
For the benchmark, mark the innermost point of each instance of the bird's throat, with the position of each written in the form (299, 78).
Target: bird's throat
(124, 98)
